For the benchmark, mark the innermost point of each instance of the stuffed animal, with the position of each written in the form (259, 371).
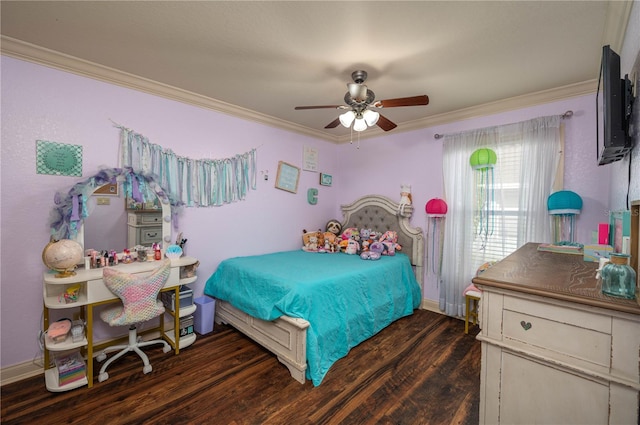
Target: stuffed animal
(334, 226)
(320, 236)
(377, 247)
(370, 255)
(366, 239)
(352, 247)
(310, 241)
(342, 245)
(351, 233)
(331, 242)
(313, 243)
(390, 241)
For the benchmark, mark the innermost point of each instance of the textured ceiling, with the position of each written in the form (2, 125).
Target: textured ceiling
(262, 59)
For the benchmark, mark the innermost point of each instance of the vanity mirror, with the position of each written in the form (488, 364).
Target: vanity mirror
(77, 212)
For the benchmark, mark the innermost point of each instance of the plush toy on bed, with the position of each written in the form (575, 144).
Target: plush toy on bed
(367, 237)
(331, 242)
(351, 233)
(334, 226)
(352, 247)
(310, 241)
(390, 241)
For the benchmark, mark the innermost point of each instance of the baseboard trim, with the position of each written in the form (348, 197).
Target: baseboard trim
(15, 373)
(430, 305)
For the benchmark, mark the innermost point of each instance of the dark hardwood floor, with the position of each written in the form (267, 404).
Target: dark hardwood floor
(422, 369)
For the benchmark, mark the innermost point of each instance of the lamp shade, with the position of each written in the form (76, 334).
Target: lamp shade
(370, 117)
(359, 124)
(347, 118)
(436, 207)
(483, 158)
(564, 202)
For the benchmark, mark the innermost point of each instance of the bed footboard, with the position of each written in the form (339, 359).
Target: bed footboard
(286, 337)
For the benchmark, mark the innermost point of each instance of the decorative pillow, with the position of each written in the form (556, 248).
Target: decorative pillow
(139, 295)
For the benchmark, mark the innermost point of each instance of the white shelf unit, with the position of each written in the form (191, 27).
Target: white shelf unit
(92, 292)
(169, 333)
(65, 345)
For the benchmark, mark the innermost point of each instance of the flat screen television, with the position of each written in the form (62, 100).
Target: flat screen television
(614, 99)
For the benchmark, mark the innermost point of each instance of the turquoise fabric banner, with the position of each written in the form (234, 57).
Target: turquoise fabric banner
(190, 182)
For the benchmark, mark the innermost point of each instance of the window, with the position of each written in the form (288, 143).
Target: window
(515, 211)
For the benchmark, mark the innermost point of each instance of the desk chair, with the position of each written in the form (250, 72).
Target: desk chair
(139, 295)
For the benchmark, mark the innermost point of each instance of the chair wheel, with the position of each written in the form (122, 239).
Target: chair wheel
(147, 369)
(101, 357)
(166, 348)
(103, 377)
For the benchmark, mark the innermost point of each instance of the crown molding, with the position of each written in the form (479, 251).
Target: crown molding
(50, 58)
(615, 27)
(53, 59)
(492, 108)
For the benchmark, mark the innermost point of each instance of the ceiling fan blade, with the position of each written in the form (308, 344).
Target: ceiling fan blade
(320, 107)
(385, 124)
(403, 101)
(333, 124)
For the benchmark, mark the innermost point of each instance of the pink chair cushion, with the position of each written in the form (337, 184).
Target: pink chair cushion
(139, 295)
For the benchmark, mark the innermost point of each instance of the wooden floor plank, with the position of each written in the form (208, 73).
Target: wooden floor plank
(422, 369)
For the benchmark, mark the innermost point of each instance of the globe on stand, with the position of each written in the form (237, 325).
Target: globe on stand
(62, 256)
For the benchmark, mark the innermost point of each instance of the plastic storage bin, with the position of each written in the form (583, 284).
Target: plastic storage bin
(204, 314)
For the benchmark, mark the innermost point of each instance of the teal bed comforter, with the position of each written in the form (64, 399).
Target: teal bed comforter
(344, 298)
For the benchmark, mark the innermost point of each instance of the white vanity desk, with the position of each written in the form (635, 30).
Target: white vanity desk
(93, 292)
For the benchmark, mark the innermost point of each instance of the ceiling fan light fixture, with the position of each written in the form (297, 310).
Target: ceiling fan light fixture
(370, 117)
(347, 118)
(360, 124)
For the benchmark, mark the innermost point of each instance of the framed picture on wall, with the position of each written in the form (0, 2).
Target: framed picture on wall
(325, 179)
(287, 177)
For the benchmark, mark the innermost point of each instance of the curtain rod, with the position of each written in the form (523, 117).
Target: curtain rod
(564, 116)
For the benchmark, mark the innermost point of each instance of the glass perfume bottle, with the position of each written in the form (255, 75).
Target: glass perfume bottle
(618, 277)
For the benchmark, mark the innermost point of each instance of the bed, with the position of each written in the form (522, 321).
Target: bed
(310, 309)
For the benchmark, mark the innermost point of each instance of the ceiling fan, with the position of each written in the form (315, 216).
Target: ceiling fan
(361, 105)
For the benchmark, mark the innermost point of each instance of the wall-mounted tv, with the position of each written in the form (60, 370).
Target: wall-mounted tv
(613, 111)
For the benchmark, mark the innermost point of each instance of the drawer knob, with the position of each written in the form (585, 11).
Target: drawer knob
(525, 325)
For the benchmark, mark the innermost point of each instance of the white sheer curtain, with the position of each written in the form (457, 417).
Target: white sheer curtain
(528, 155)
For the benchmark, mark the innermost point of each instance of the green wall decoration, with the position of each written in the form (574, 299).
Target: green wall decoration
(312, 196)
(58, 158)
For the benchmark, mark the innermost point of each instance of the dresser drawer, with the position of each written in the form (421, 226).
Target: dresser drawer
(150, 235)
(144, 219)
(558, 332)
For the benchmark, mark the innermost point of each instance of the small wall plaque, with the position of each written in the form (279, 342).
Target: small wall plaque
(325, 179)
(58, 158)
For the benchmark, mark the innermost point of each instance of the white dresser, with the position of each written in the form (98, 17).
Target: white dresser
(554, 349)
